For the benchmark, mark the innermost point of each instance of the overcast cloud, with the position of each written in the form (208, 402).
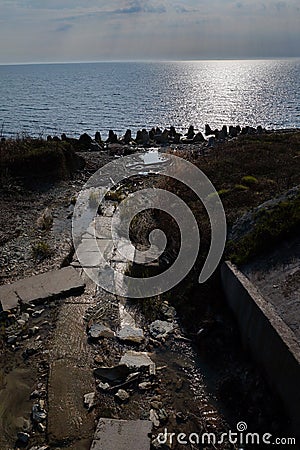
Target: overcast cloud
(95, 30)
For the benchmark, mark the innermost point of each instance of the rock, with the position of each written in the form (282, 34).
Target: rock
(25, 317)
(168, 311)
(112, 137)
(160, 329)
(233, 132)
(38, 413)
(36, 394)
(85, 141)
(208, 130)
(156, 404)
(103, 386)
(89, 400)
(38, 313)
(41, 427)
(45, 220)
(220, 135)
(190, 133)
(21, 322)
(115, 375)
(136, 360)
(145, 386)
(98, 330)
(131, 334)
(224, 129)
(23, 438)
(122, 395)
(127, 137)
(198, 138)
(154, 417)
(98, 137)
(12, 339)
(162, 415)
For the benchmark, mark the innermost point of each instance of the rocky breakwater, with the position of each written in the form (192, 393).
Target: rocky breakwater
(156, 137)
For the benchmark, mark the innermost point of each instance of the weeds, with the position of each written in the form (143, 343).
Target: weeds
(41, 250)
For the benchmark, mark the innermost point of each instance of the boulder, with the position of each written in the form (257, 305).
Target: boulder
(198, 138)
(112, 137)
(127, 137)
(225, 131)
(190, 133)
(208, 130)
(98, 137)
(85, 140)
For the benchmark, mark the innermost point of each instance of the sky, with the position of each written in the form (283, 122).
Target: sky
(97, 30)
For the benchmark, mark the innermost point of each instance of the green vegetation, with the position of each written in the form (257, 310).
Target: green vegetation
(28, 158)
(270, 226)
(41, 250)
(249, 180)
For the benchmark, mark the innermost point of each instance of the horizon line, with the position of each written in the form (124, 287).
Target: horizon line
(150, 60)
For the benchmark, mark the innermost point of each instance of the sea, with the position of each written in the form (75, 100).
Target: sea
(73, 98)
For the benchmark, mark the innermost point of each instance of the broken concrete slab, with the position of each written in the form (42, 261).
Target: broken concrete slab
(98, 330)
(113, 434)
(131, 334)
(116, 374)
(42, 287)
(8, 297)
(136, 360)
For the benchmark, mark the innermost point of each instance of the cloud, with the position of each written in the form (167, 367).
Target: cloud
(64, 27)
(59, 30)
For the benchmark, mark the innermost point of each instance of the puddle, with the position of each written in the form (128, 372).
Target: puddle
(15, 389)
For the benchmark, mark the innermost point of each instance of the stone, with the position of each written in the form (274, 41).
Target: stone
(23, 438)
(112, 137)
(154, 417)
(136, 360)
(113, 434)
(42, 287)
(127, 137)
(198, 138)
(131, 334)
(115, 375)
(156, 404)
(190, 133)
(41, 427)
(89, 400)
(98, 330)
(103, 386)
(122, 395)
(145, 386)
(98, 137)
(208, 130)
(160, 329)
(38, 413)
(85, 140)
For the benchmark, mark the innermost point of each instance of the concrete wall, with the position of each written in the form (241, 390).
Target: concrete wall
(271, 341)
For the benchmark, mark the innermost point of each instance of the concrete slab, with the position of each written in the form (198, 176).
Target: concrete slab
(112, 434)
(136, 360)
(8, 297)
(38, 288)
(68, 419)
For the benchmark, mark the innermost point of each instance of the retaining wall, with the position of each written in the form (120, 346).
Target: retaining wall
(270, 340)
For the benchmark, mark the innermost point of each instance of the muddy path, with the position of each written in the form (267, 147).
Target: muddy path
(49, 359)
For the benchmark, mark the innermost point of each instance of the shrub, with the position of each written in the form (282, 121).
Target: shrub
(41, 250)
